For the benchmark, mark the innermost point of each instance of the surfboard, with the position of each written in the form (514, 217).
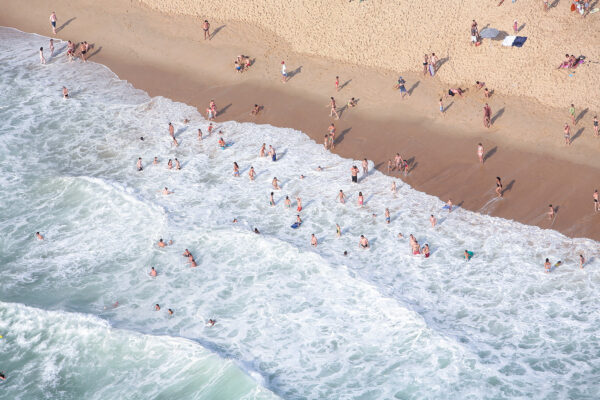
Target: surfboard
(295, 225)
(228, 144)
(470, 253)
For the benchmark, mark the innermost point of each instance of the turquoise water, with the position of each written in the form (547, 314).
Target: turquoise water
(293, 321)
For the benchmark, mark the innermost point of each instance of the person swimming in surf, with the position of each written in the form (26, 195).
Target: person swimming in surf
(468, 255)
(256, 231)
(39, 236)
(157, 307)
(363, 243)
(153, 272)
(211, 322)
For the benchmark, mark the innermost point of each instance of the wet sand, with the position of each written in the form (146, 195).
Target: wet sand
(166, 55)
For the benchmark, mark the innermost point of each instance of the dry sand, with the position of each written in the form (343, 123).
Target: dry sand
(166, 55)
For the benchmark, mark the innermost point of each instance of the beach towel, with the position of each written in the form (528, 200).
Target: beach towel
(519, 41)
(508, 41)
(489, 33)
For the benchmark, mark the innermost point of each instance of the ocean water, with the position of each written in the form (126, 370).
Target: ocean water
(293, 321)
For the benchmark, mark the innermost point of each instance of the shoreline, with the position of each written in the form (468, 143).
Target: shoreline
(536, 169)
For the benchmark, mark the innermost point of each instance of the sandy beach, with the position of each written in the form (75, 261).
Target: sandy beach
(166, 55)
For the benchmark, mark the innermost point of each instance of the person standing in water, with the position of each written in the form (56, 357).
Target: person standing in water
(299, 203)
(480, 153)
(236, 170)
(581, 261)
(251, 174)
(313, 240)
(432, 220)
(53, 21)
(499, 186)
(547, 265)
(42, 58)
(331, 130)
(388, 219)
(596, 205)
(365, 167)
(338, 230)
(139, 164)
(171, 130)
(363, 243)
(206, 29)
(354, 172)
(275, 183)
(341, 196)
(361, 199)
(394, 187)
(271, 200)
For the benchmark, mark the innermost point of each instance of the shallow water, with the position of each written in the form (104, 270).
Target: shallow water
(293, 321)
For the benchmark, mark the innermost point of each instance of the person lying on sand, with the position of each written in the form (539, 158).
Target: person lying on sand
(455, 91)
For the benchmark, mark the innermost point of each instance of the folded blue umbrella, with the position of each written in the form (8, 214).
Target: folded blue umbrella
(519, 41)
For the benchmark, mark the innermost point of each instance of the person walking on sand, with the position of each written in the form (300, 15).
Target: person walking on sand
(354, 172)
(515, 27)
(567, 131)
(550, 212)
(425, 64)
(595, 126)
(401, 85)
(499, 186)
(332, 107)
(572, 114)
(53, 20)
(284, 74)
(442, 107)
(433, 61)
(331, 130)
(596, 199)
(337, 83)
(42, 58)
(480, 153)
(206, 29)
(487, 116)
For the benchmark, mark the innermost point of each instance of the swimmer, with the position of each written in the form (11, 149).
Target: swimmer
(153, 272)
(299, 203)
(236, 170)
(170, 311)
(319, 168)
(65, 92)
(271, 200)
(581, 261)
(155, 162)
(287, 202)
(211, 322)
(361, 199)
(39, 236)
(416, 248)
(313, 240)
(301, 176)
(363, 242)
(235, 221)
(425, 250)
(365, 166)
(400, 235)
(161, 243)
(547, 265)
(468, 255)
(139, 164)
(345, 253)
(166, 191)
(177, 164)
(387, 216)
(251, 174)
(341, 197)
(170, 164)
(142, 138)
(338, 230)
(275, 183)
(256, 231)
(550, 212)
(432, 220)
(2, 376)
(156, 307)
